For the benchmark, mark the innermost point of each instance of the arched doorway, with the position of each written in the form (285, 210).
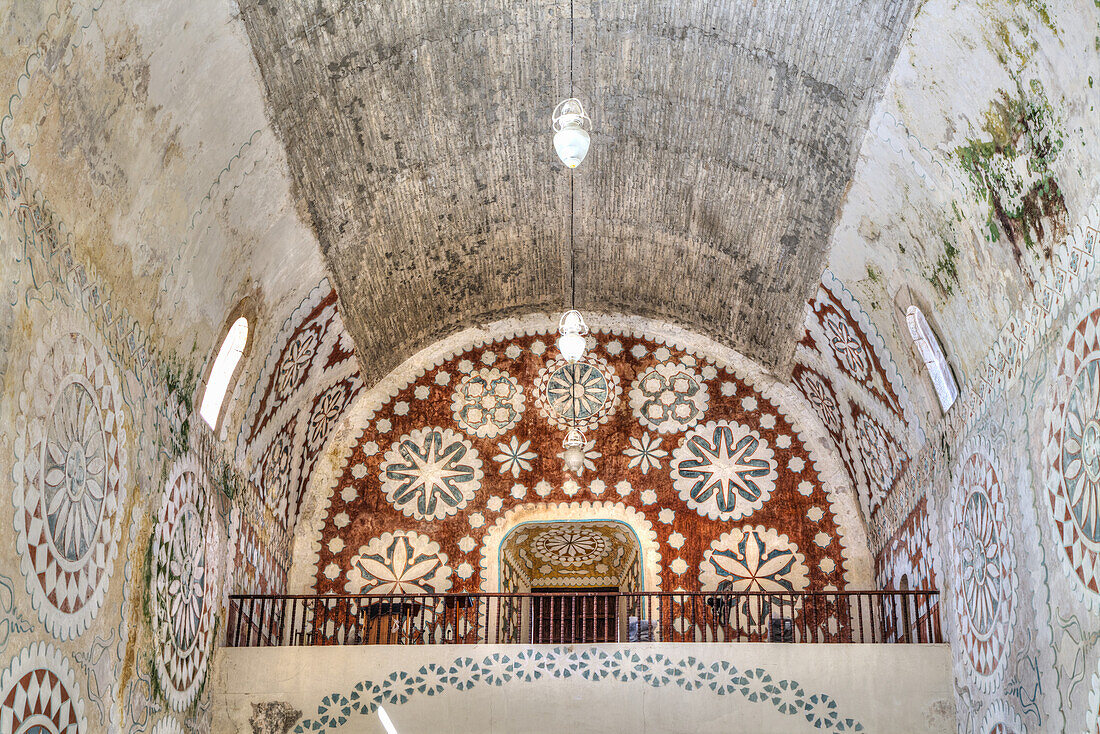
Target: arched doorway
(572, 580)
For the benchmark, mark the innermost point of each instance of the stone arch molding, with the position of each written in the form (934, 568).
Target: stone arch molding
(804, 421)
(542, 512)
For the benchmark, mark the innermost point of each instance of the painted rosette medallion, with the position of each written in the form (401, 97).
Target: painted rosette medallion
(724, 470)
(1073, 456)
(984, 569)
(70, 481)
(184, 584)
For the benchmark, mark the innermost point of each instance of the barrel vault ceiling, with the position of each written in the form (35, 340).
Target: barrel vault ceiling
(725, 135)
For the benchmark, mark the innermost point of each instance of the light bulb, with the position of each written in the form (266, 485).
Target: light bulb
(571, 140)
(571, 144)
(571, 346)
(574, 460)
(573, 456)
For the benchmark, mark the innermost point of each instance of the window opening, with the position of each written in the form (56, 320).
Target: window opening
(225, 365)
(947, 390)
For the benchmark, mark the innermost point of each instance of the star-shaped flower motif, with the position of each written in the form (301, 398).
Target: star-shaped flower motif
(514, 456)
(645, 453)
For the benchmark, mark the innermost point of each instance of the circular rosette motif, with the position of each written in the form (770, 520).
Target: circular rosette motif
(183, 584)
(487, 403)
(983, 564)
(294, 366)
(571, 546)
(70, 481)
(399, 563)
(880, 457)
(430, 473)
(582, 394)
(669, 398)
(1073, 455)
(724, 470)
(846, 346)
(751, 559)
(39, 694)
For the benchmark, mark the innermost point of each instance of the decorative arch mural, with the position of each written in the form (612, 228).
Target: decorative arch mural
(685, 437)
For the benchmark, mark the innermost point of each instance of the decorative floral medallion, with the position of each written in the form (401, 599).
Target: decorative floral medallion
(754, 559)
(431, 473)
(879, 454)
(1073, 455)
(184, 584)
(669, 397)
(294, 366)
(399, 563)
(724, 470)
(70, 481)
(487, 403)
(821, 399)
(570, 546)
(983, 564)
(847, 347)
(39, 694)
(583, 393)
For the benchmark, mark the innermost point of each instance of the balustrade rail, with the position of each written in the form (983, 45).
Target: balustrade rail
(535, 618)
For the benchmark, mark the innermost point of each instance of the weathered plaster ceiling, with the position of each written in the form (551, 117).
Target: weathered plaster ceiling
(726, 133)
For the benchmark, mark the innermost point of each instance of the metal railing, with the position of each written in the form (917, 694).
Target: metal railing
(565, 617)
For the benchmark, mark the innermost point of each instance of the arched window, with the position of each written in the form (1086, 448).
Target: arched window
(221, 374)
(930, 351)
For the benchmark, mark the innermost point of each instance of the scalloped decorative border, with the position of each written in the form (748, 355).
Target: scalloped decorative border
(44, 656)
(805, 425)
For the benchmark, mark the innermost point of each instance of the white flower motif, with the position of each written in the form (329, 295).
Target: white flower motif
(597, 487)
(645, 453)
(796, 464)
(515, 457)
(335, 545)
(477, 520)
(370, 448)
(466, 544)
(676, 540)
(648, 497)
(421, 392)
(624, 488)
(570, 488)
(678, 566)
(431, 473)
(399, 563)
(401, 407)
(464, 571)
(728, 388)
(443, 378)
(847, 347)
(518, 491)
(494, 504)
(543, 488)
(666, 515)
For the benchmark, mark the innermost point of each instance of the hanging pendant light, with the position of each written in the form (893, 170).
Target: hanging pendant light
(573, 456)
(572, 329)
(571, 140)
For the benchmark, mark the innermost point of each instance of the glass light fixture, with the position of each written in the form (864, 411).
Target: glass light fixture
(571, 140)
(573, 456)
(572, 328)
